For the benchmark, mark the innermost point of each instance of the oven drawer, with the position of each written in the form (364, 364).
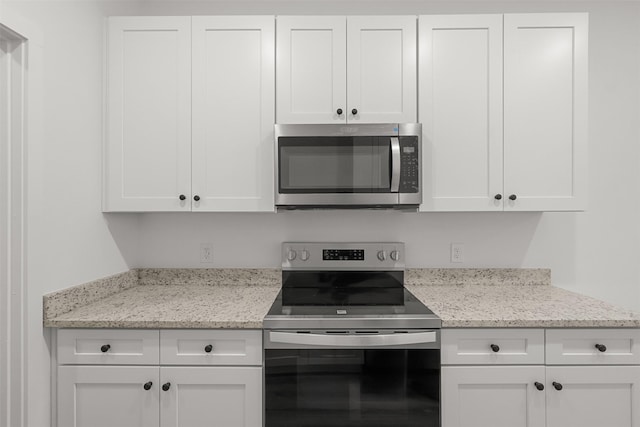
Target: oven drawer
(593, 346)
(108, 347)
(492, 346)
(210, 347)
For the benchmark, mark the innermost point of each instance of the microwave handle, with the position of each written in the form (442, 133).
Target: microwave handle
(395, 165)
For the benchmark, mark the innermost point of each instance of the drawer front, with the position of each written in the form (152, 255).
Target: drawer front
(108, 347)
(492, 346)
(593, 346)
(210, 347)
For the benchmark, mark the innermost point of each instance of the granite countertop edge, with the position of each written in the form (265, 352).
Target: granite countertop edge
(153, 324)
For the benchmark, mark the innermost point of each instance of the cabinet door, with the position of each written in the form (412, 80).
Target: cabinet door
(108, 396)
(147, 153)
(493, 396)
(381, 69)
(461, 112)
(207, 396)
(594, 396)
(545, 111)
(311, 69)
(233, 113)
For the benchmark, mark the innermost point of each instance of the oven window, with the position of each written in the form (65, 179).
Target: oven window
(334, 164)
(352, 388)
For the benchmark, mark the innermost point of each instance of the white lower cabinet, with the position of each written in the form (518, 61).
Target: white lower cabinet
(492, 396)
(108, 396)
(496, 392)
(206, 396)
(593, 396)
(113, 395)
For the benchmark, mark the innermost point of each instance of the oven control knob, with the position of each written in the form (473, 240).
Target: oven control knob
(291, 255)
(304, 255)
(382, 255)
(395, 255)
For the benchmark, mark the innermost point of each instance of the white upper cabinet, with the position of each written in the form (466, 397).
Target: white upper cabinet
(148, 132)
(311, 69)
(461, 112)
(190, 133)
(545, 111)
(381, 69)
(233, 113)
(346, 69)
(504, 112)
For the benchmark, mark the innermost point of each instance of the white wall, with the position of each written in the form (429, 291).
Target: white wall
(71, 242)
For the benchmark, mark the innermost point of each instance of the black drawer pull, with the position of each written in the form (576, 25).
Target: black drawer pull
(105, 348)
(495, 348)
(208, 348)
(601, 347)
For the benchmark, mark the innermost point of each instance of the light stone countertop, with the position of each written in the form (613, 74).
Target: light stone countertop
(175, 306)
(519, 306)
(228, 298)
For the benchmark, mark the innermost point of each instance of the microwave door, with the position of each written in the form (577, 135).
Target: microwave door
(336, 165)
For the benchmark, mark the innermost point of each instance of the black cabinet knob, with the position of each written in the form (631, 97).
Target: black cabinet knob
(105, 348)
(182, 197)
(495, 348)
(196, 198)
(166, 386)
(601, 347)
(557, 386)
(208, 348)
(147, 386)
(354, 111)
(498, 197)
(339, 111)
(513, 197)
(539, 386)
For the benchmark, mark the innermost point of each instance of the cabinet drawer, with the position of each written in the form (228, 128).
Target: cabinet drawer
(492, 346)
(210, 347)
(108, 347)
(593, 346)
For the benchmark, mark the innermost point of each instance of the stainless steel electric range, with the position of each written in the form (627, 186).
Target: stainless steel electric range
(346, 344)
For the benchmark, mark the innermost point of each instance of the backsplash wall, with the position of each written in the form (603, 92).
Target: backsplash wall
(594, 252)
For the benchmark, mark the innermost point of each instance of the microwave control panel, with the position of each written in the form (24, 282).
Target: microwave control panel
(409, 164)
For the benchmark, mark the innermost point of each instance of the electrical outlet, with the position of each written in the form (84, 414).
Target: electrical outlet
(206, 253)
(457, 252)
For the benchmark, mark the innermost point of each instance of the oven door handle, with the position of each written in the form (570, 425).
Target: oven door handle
(395, 165)
(348, 340)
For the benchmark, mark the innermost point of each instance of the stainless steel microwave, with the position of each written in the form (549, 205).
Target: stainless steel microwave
(348, 166)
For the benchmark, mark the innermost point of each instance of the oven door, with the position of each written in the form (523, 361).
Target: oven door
(315, 382)
(338, 170)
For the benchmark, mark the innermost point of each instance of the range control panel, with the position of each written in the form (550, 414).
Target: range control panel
(342, 256)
